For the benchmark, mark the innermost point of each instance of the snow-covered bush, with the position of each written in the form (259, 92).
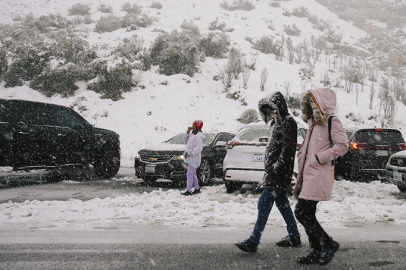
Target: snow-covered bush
(215, 44)
(217, 25)
(267, 45)
(176, 52)
(156, 5)
(108, 23)
(237, 5)
(79, 9)
(248, 116)
(112, 82)
(136, 19)
(301, 12)
(135, 9)
(60, 80)
(292, 30)
(105, 8)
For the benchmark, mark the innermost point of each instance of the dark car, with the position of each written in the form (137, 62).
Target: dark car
(36, 135)
(396, 170)
(369, 151)
(164, 162)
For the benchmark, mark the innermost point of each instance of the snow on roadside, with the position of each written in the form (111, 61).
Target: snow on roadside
(352, 203)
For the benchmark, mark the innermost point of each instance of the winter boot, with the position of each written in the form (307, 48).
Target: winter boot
(187, 193)
(327, 252)
(196, 191)
(311, 258)
(290, 241)
(247, 246)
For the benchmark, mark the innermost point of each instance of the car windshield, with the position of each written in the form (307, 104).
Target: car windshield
(178, 139)
(252, 135)
(379, 136)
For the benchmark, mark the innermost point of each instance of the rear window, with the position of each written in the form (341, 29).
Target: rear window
(378, 136)
(253, 135)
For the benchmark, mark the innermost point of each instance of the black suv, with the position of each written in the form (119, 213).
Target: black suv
(370, 149)
(35, 135)
(164, 162)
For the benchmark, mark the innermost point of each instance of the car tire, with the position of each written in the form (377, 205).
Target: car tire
(401, 188)
(204, 173)
(232, 186)
(108, 162)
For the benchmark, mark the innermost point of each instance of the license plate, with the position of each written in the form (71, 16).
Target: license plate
(397, 176)
(257, 158)
(382, 153)
(149, 169)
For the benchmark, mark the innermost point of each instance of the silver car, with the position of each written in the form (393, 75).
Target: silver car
(396, 170)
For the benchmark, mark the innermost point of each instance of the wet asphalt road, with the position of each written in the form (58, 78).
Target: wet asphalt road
(377, 246)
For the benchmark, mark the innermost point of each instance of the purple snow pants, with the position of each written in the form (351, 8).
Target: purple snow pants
(192, 180)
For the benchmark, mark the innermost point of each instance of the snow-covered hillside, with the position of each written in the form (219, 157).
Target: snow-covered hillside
(168, 104)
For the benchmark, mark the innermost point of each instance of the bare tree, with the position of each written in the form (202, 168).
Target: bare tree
(245, 75)
(264, 78)
(371, 95)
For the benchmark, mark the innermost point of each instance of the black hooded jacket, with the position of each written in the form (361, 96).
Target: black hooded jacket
(281, 148)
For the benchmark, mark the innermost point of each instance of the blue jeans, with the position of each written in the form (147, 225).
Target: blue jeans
(265, 203)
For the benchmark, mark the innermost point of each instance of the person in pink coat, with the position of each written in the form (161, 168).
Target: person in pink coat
(315, 177)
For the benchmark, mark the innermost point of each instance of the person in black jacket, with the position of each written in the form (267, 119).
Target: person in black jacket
(279, 160)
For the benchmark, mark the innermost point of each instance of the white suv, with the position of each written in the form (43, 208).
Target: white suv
(244, 161)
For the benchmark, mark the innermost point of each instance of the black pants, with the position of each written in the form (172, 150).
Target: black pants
(305, 213)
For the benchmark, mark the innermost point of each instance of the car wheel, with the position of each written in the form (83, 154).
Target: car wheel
(204, 173)
(107, 163)
(232, 186)
(402, 189)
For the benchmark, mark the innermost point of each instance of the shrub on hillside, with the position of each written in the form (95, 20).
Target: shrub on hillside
(43, 23)
(215, 44)
(176, 53)
(237, 5)
(28, 62)
(275, 4)
(3, 63)
(248, 116)
(105, 8)
(108, 23)
(292, 30)
(301, 12)
(267, 45)
(71, 49)
(79, 9)
(60, 80)
(156, 5)
(112, 82)
(129, 48)
(135, 9)
(216, 25)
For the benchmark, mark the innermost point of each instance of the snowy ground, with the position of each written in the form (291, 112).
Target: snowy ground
(352, 204)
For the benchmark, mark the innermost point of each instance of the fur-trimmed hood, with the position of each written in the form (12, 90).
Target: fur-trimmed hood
(274, 101)
(318, 104)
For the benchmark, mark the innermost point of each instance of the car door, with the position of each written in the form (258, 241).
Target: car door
(32, 144)
(72, 136)
(6, 135)
(220, 150)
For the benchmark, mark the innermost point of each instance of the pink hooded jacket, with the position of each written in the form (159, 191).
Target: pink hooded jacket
(316, 175)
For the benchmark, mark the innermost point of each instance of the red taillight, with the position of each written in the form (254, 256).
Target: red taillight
(402, 146)
(358, 145)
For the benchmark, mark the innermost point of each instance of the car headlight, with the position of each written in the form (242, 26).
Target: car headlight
(137, 156)
(179, 157)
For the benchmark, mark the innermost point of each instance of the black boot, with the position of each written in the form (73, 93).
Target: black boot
(290, 241)
(311, 258)
(247, 246)
(327, 252)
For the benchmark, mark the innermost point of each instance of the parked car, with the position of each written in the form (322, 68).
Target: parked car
(369, 151)
(164, 162)
(36, 135)
(244, 162)
(396, 170)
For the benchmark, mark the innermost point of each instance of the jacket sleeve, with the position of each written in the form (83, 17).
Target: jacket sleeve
(288, 147)
(340, 141)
